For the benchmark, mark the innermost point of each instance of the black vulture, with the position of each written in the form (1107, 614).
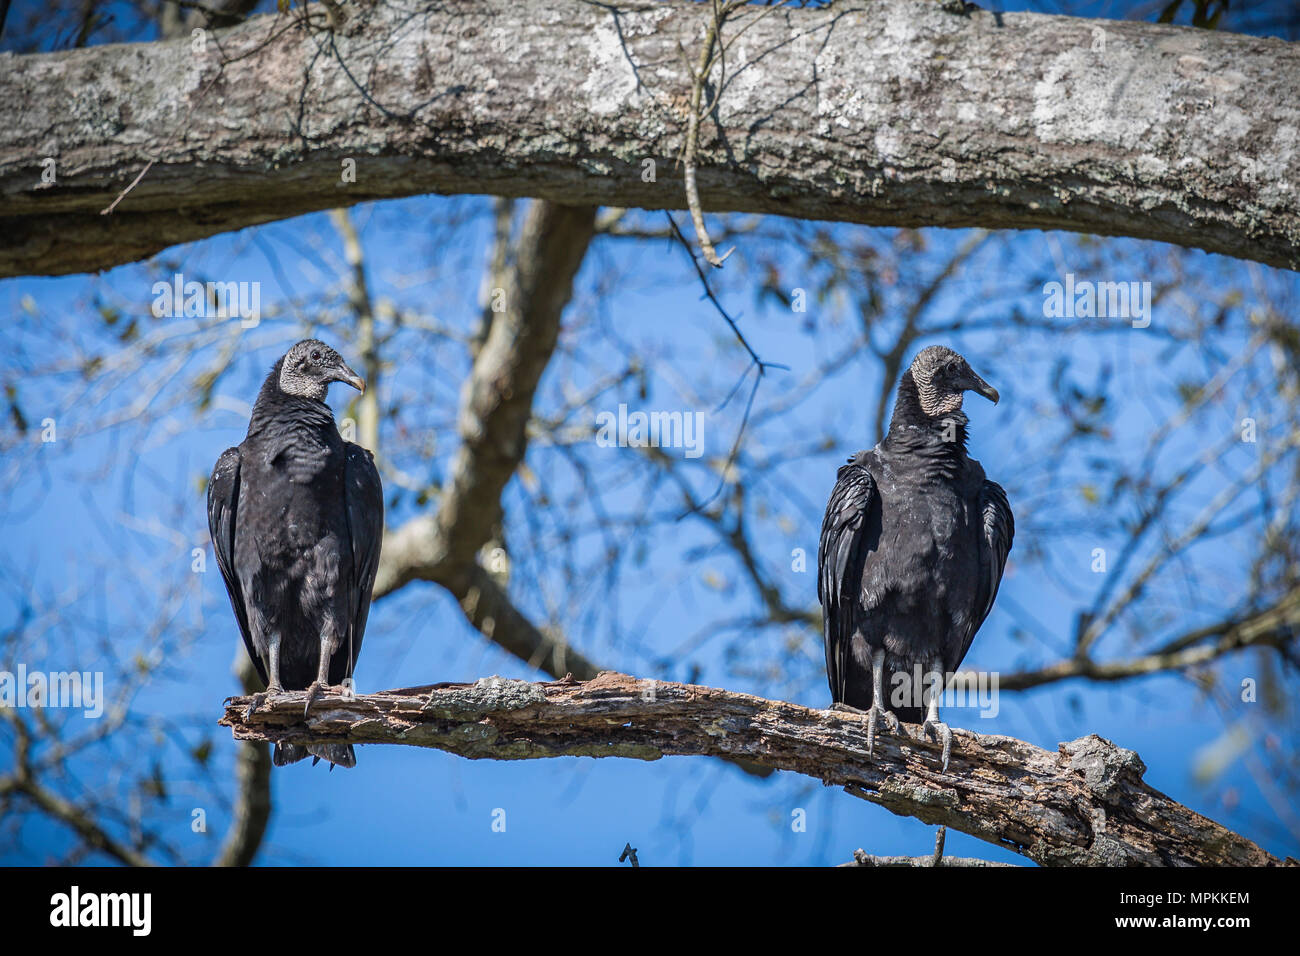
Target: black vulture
(297, 516)
(911, 552)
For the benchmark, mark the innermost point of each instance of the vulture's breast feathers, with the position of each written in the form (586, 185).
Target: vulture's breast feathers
(300, 443)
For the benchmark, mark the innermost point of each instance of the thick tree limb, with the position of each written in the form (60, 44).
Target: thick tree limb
(890, 113)
(1083, 805)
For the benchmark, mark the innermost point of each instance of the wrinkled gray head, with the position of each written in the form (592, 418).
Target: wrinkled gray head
(310, 366)
(941, 376)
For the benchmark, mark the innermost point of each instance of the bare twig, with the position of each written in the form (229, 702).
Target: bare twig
(756, 363)
(699, 78)
(107, 210)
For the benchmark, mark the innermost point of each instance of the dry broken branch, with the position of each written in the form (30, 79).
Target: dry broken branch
(1085, 804)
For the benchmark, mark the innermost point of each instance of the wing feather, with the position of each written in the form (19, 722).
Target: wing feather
(223, 502)
(998, 530)
(364, 496)
(841, 551)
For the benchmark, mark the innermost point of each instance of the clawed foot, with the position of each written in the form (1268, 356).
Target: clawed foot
(259, 699)
(938, 730)
(314, 693)
(873, 714)
(891, 724)
(319, 689)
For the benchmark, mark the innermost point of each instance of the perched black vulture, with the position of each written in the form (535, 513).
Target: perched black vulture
(911, 552)
(297, 516)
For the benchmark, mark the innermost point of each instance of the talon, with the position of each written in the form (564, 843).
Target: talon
(314, 693)
(941, 732)
(874, 714)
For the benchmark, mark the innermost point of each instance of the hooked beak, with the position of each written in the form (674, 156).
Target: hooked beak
(349, 377)
(974, 383)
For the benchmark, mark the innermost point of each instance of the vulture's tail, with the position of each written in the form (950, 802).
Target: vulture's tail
(341, 754)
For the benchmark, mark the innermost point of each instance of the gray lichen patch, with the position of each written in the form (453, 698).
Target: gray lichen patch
(892, 790)
(1103, 766)
(484, 695)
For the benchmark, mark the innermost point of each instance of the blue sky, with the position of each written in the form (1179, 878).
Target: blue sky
(414, 807)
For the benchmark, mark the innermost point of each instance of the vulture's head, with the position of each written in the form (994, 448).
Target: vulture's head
(310, 366)
(941, 377)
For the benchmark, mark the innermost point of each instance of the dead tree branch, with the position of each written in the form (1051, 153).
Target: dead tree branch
(1085, 804)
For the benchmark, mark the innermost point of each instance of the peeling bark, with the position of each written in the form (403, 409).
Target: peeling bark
(888, 113)
(1086, 804)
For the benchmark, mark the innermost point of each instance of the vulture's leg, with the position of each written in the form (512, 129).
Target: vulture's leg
(877, 695)
(322, 681)
(273, 686)
(877, 709)
(933, 726)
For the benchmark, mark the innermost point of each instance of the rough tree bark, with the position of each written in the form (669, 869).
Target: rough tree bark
(1083, 805)
(889, 113)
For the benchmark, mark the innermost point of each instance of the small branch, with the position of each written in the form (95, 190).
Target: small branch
(938, 846)
(699, 78)
(107, 210)
(1275, 627)
(1085, 804)
(755, 362)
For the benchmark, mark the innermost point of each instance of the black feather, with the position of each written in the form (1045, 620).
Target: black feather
(297, 517)
(912, 549)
